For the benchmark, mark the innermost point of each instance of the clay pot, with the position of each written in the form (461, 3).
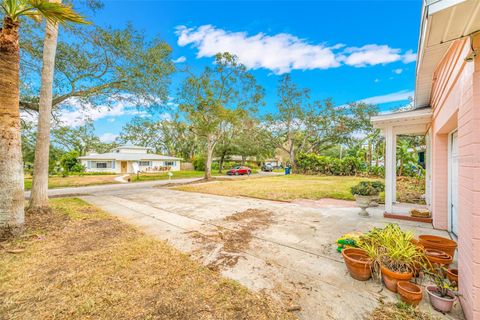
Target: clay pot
(438, 257)
(452, 275)
(442, 304)
(390, 278)
(358, 263)
(410, 292)
(438, 243)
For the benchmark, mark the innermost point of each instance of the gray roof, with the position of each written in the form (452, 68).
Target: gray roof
(127, 156)
(126, 146)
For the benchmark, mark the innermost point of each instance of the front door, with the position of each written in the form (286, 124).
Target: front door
(454, 183)
(124, 166)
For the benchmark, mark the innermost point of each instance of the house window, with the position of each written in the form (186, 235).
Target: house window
(101, 165)
(169, 163)
(145, 163)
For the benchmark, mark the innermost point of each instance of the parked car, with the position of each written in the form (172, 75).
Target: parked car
(239, 170)
(267, 167)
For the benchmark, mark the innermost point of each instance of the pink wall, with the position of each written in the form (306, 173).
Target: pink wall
(456, 103)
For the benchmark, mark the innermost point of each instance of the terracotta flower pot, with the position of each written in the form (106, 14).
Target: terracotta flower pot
(390, 278)
(358, 263)
(410, 292)
(452, 275)
(438, 243)
(442, 304)
(438, 257)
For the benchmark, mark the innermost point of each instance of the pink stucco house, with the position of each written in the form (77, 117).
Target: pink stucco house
(447, 112)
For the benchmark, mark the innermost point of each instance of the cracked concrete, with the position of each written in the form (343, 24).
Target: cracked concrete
(294, 258)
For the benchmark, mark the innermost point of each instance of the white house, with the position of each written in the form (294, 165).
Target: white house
(129, 159)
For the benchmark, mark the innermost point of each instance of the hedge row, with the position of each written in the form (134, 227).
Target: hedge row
(347, 166)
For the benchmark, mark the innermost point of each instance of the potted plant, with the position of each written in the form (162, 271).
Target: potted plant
(443, 293)
(409, 292)
(358, 263)
(365, 193)
(393, 254)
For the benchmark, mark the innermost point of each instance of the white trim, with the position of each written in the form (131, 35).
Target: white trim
(449, 186)
(428, 169)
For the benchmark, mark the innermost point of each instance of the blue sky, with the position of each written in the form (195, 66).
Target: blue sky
(347, 50)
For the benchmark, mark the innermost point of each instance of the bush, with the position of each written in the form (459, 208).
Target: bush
(69, 162)
(315, 164)
(368, 188)
(199, 163)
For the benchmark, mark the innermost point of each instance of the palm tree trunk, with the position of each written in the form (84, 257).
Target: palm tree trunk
(11, 164)
(39, 196)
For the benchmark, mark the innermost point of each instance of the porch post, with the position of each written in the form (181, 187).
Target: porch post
(390, 169)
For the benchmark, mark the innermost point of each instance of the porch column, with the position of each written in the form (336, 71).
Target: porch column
(390, 168)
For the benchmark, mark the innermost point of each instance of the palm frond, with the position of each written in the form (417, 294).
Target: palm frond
(53, 12)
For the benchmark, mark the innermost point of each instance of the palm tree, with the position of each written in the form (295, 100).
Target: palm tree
(11, 164)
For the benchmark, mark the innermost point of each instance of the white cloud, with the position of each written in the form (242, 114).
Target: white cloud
(391, 97)
(111, 120)
(180, 59)
(409, 56)
(373, 54)
(108, 137)
(280, 53)
(397, 71)
(284, 52)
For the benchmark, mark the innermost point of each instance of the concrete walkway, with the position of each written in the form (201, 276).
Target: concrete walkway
(134, 186)
(289, 252)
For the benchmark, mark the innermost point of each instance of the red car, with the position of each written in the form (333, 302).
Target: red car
(239, 170)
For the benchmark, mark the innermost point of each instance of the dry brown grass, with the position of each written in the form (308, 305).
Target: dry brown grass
(74, 181)
(80, 263)
(398, 311)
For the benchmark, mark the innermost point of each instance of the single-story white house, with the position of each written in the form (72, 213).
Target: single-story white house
(129, 159)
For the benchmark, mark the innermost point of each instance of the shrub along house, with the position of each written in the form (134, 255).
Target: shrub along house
(129, 159)
(447, 112)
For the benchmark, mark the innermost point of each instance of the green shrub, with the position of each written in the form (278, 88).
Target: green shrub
(368, 188)
(315, 164)
(199, 163)
(69, 162)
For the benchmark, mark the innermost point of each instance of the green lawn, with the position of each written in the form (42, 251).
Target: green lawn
(284, 188)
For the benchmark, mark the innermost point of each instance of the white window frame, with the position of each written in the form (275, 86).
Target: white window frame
(101, 163)
(449, 186)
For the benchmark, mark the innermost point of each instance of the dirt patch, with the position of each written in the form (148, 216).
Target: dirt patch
(228, 242)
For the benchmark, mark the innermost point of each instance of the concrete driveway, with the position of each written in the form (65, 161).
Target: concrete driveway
(286, 249)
